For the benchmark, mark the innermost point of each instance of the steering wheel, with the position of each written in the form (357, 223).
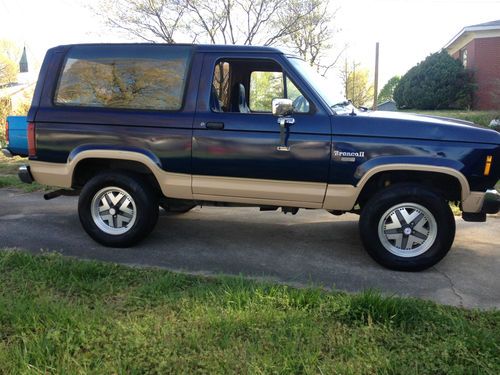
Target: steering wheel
(300, 104)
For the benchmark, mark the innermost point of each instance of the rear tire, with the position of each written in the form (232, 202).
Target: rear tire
(407, 227)
(118, 209)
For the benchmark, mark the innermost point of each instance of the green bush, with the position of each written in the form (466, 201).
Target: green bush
(5, 109)
(438, 82)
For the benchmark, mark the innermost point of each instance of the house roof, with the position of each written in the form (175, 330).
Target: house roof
(481, 27)
(487, 24)
(23, 63)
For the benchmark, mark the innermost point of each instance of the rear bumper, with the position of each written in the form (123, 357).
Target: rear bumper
(491, 203)
(6, 153)
(24, 174)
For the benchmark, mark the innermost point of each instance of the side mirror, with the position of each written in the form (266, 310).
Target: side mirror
(282, 107)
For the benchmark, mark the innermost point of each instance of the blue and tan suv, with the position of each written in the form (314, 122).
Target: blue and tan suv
(131, 127)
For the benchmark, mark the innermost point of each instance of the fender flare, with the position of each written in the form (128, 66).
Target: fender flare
(450, 167)
(344, 197)
(175, 185)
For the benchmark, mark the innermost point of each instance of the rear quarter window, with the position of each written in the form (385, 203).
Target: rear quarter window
(151, 77)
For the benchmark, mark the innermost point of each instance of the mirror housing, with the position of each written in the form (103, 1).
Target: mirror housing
(282, 107)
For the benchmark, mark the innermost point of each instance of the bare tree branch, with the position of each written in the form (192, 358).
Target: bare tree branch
(304, 25)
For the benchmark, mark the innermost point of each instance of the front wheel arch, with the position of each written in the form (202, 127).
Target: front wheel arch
(444, 184)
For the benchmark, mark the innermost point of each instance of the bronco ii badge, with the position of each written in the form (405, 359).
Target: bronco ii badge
(348, 156)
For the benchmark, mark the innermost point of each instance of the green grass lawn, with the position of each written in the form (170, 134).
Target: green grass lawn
(59, 315)
(8, 175)
(482, 118)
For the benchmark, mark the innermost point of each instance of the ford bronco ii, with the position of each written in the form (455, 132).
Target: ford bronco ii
(131, 127)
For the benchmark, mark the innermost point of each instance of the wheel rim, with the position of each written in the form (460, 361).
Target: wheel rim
(113, 210)
(407, 230)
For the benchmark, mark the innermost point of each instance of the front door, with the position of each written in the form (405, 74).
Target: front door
(239, 153)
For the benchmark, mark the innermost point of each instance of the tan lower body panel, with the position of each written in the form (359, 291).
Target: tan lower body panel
(248, 188)
(242, 190)
(341, 197)
(474, 202)
(256, 201)
(52, 174)
(175, 185)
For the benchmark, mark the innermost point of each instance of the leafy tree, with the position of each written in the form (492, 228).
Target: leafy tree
(264, 87)
(314, 38)
(388, 90)
(9, 57)
(356, 81)
(5, 109)
(8, 70)
(438, 82)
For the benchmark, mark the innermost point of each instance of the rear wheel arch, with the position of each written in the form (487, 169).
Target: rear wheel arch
(85, 168)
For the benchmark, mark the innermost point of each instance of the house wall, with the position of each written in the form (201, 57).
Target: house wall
(483, 58)
(487, 73)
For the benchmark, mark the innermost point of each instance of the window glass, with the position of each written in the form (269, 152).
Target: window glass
(221, 90)
(134, 77)
(264, 87)
(300, 103)
(322, 86)
(464, 58)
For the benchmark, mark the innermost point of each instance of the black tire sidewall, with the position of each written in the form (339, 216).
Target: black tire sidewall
(145, 199)
(389, 197)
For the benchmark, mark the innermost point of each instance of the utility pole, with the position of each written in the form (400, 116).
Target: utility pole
(346, 77)
(375, 86)
(353, 80)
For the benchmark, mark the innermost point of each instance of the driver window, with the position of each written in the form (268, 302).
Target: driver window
(247, 86)
(266, 86)
(300, 103)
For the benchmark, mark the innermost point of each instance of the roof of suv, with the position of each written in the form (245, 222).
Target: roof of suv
(198, 47)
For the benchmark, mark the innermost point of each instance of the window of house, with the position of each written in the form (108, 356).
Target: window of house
(464, 57)
(115, 76)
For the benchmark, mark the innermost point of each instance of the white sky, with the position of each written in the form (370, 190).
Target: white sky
(408, 30)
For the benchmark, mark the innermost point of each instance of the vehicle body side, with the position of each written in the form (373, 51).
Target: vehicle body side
(335, 162)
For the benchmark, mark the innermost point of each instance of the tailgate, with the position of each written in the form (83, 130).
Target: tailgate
(18, 139)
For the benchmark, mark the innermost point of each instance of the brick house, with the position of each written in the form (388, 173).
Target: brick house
(478, 47)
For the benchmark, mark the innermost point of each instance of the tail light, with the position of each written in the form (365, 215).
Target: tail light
(31, 140)
(7, 132)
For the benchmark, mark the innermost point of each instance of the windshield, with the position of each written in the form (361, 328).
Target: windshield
(338, 103)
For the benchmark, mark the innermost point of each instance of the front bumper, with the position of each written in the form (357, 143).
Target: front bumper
(25, 174)
(491, 203)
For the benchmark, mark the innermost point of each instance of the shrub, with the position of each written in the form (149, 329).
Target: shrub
(438, 82)
(5, 109)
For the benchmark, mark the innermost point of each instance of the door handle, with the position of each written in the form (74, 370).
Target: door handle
(214, 125)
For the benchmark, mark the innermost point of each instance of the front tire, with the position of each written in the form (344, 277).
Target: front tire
(118, 209)
(407, 227)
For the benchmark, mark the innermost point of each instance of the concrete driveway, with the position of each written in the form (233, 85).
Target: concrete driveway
(312, 247)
